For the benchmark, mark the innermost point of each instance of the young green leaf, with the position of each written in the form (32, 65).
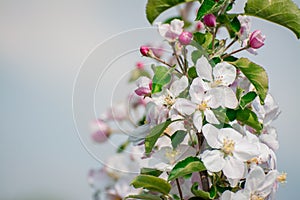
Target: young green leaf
(231, 23)
(162, 76)
(247, 98)
(283, 12)
(202, 194)
(209, 6)
(256, 75)
(177, 138)
(249, 118)
(204, 40)
(151, 183)
(155, 7)
(150, 171)
(155, 133)
(192, 73)
(143, 196)
(185, 167)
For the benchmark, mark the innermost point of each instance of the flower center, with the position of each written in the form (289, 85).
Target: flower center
(171, 155)
(203, 106)
(218, 81)
(169, 101)
(228, 146)
(282, 178)
(256, 197)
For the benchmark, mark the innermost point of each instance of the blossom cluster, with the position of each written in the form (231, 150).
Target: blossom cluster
(205, 129)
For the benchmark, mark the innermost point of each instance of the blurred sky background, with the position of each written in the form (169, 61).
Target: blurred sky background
(42, 46)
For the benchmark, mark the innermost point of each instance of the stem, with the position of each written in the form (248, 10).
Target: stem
(230, 44)
(179, 189)
(213, 40)
(176, 56)
(164, 62)
(236, 51)
(203, 174)
(185, 60)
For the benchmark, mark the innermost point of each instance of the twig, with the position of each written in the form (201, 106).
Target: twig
(179, 189)
(203, 174)
(236, 51)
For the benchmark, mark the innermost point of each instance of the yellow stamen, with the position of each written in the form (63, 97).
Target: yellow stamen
(282, 177)
(171, 155)
(203, 106)
(228, 146)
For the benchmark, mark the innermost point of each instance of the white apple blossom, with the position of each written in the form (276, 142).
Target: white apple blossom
(168, 96)
(230, 151)
(258, 186)
(171, 31)
(201, 102)
(166, 157)
(267, 113)
(219, 78)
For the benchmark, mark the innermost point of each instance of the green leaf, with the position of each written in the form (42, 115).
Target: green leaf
(256, 75)
(231, 23)
(155, 133)
(151, 183)
(220, 114)
(247, 98)
(192, 73)
(155, 7)
(283, 12)
(143, 196)
(202, 194)
(204, 40)
(137, 73)
(150, 171)
(185, 167)
(239, 92)
(231, 114)
(162, 76)
(177, 138)
(249, 118)
(209, 6)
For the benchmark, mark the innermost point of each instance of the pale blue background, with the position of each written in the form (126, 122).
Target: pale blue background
(42, 45)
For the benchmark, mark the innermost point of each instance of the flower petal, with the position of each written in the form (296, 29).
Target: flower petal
(184, 106)
(198, 120)
(211, 134)
(179, 86)
(213, 160)
(234, 168)
(255, 178)
(204, 69)
(224, 72)
(197, 90)
(210, 117)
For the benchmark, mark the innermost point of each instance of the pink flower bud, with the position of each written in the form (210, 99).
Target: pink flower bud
(144, 50)
(139, 65)
(141, 91)
(199, 26)
(185, 38)
(256, 39)
(210, 20)
(100, 131)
